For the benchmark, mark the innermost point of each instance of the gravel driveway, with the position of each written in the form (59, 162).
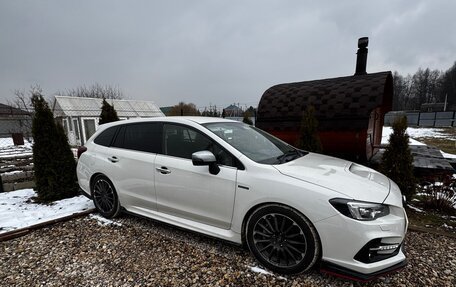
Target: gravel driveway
(139, 252)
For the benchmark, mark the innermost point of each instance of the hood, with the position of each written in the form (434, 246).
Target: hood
(354, 181)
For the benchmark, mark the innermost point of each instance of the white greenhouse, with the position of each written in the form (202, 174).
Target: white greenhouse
(79, 116)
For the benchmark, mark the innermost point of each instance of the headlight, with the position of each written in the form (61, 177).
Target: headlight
(360, 210)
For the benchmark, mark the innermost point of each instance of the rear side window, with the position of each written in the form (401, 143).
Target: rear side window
(105, 138)
(140, 137)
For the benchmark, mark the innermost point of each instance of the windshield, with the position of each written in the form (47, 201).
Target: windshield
(254, 143)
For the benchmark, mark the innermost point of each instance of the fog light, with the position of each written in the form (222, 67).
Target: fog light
(375, 251)
(383, 249)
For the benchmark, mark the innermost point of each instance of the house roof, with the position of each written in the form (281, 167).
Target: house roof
(233, 107)
(91, 107)
(9, 110)
(344, 101)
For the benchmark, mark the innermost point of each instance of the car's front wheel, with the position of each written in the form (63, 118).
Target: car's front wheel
(282, 239)
(105, 197)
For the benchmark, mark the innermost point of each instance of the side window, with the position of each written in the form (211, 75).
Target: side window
(180, 141)
(105, 138)
(140, 137)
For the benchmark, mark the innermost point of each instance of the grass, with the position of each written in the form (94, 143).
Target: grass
(432, 220)
(448, 144)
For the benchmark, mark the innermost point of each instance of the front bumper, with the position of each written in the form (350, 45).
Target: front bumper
(348, 245)
(339, 271)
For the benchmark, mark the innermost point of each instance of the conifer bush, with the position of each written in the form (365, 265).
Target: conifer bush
(397, 160)
(54, 165)
(309, 139)
(108, 113)
(246, 119)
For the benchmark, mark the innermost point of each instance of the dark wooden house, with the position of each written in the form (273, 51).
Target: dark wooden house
(350, 110)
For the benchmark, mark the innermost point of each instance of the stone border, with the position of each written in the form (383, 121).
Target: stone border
(23, 231)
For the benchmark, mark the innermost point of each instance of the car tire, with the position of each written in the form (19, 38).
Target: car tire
(282, 239)
(105, 197)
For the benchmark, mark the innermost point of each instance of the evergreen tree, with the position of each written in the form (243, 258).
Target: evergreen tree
(247, 119)
(309, 139)
(53, 161)
(108, 113)
(397, 160)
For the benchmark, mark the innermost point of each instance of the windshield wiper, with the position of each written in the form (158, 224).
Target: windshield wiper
(291, 155)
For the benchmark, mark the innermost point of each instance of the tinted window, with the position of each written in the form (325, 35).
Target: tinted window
(181, 141)
(105, 138)
(140, 137)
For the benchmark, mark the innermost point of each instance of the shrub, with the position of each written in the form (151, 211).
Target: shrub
(309, 139)
(397, 160)
(246, 119)
(53, 161)
(108, 113)
(439, 194)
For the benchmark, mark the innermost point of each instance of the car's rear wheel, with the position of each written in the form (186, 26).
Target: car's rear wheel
(282, 239)
(105, 197)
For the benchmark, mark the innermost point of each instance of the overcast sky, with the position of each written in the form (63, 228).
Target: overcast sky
(213, 52)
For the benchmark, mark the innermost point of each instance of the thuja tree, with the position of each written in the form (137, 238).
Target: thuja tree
(397, 160)
(53, 161)
(108, 113)
(246, 119)
(309, 139)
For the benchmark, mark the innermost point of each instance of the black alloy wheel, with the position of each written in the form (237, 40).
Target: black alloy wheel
(282, 239)
(105, 197)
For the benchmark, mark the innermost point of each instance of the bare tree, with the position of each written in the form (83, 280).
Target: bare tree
(403, 98)
(183, 109)
(94, 91)
(448, 87)
(425, 86)
(22, 101)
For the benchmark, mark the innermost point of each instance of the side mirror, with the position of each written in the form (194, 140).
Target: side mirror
(205, 157)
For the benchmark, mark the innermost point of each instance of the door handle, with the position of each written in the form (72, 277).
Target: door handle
(113, 159)
(163, 170)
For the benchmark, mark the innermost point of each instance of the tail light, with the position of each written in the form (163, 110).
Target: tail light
(81, 150)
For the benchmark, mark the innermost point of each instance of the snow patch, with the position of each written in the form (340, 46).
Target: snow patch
(104, 221)
(447, 226)
(262, 271)
(387, 131)
(447, 155)
(18, 211)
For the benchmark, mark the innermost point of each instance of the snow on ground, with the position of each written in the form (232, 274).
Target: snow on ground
(448, 155)
(8, 143)
(388, 130)
(418, 133)
(103, 221)
(426, 133)
(262, 271)
(8, 149)
(16, 210)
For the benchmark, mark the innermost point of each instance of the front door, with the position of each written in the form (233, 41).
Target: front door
(190, 191)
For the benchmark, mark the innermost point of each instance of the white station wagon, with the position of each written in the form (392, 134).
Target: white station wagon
(229, 180)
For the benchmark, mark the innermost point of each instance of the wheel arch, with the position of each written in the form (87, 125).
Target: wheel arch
(263, 204)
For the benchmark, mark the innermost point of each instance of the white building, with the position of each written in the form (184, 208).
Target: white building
(79, 116)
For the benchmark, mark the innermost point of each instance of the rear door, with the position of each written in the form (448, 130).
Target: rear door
(190, 191)
(131, 163)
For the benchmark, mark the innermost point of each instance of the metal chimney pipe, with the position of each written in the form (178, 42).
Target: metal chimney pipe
(361, 59)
